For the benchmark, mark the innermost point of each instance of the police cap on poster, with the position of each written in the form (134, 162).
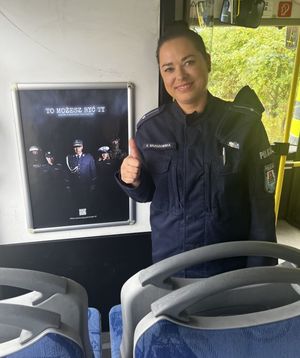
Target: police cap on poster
(34, 148)
(49, 155)
(77, 143)
(103, 149)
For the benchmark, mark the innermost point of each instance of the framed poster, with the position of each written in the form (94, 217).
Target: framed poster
(72, 140)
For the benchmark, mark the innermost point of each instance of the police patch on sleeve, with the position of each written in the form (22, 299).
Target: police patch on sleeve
(270, 178)
(266, 153)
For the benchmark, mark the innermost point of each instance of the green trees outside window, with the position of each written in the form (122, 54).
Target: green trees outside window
(255, 57)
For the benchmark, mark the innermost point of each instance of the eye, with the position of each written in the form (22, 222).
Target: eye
(169, 69)
(189, 63)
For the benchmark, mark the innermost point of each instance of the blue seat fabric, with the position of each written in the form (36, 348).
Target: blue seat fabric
(50, 346)
(55, 345)
(116, 330)
(94, 325)
(167, 339)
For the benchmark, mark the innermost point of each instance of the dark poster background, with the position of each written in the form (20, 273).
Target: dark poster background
(51, 120)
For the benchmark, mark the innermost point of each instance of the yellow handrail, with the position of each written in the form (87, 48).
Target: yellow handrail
(292, 164)
(287, 129)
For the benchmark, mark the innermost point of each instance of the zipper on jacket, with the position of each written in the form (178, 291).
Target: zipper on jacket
(207, 187)
(185, 149)
(244, 108)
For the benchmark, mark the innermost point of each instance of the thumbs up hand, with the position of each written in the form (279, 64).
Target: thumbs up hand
(131, 166)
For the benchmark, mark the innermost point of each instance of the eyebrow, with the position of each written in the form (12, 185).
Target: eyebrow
(182, 60)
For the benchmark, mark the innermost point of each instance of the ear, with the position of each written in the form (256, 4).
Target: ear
(208, 61)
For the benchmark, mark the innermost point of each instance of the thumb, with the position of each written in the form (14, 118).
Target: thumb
(133, 149)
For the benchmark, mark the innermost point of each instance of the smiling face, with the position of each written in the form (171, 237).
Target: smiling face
(184, 71)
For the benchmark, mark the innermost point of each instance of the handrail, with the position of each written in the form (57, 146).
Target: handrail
(289, 164)
(287, 129)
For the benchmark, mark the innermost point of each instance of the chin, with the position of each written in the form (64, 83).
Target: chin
(186, 100)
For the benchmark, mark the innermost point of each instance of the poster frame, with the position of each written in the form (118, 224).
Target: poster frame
(21, 139)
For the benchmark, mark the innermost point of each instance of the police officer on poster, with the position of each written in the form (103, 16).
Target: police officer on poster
(82, 174)
(54, 191)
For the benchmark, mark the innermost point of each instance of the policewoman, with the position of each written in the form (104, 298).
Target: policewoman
(205, 164)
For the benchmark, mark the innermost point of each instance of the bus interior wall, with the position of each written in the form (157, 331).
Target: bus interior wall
(100, 264)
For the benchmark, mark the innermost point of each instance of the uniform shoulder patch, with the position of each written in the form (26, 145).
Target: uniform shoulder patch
(150, 114)
(266, 153)
(270, 178)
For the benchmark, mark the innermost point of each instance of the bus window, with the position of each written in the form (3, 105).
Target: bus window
(262, 58)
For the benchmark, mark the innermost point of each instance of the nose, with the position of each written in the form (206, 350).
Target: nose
(180, 73)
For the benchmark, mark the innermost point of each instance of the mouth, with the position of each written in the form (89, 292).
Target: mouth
(183, 87)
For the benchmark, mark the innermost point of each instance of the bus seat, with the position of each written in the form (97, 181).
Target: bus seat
(115, 330)
(157, 281)
(137, 294)
(51, 317)
(94, 330)
(178, 325)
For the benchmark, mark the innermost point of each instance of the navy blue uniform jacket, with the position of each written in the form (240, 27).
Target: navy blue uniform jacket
(83, 168)
(210, 177)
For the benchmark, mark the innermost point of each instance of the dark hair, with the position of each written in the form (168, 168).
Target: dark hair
(181, 29)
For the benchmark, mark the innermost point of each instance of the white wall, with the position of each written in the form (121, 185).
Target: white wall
(70, 41)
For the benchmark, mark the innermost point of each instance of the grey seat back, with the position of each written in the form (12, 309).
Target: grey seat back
(50, 296)
(263, 326)
(157, 281)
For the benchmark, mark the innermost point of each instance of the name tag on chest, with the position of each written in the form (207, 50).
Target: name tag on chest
(159, 146)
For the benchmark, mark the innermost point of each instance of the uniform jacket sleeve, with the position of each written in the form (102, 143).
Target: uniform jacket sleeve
(143, 193)
(261, 181)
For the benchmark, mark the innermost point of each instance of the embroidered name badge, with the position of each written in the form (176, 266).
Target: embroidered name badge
(270, 178)
(265, 153)
(159, 146)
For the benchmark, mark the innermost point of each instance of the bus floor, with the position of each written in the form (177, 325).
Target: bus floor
(105, 340)
(286, 234)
